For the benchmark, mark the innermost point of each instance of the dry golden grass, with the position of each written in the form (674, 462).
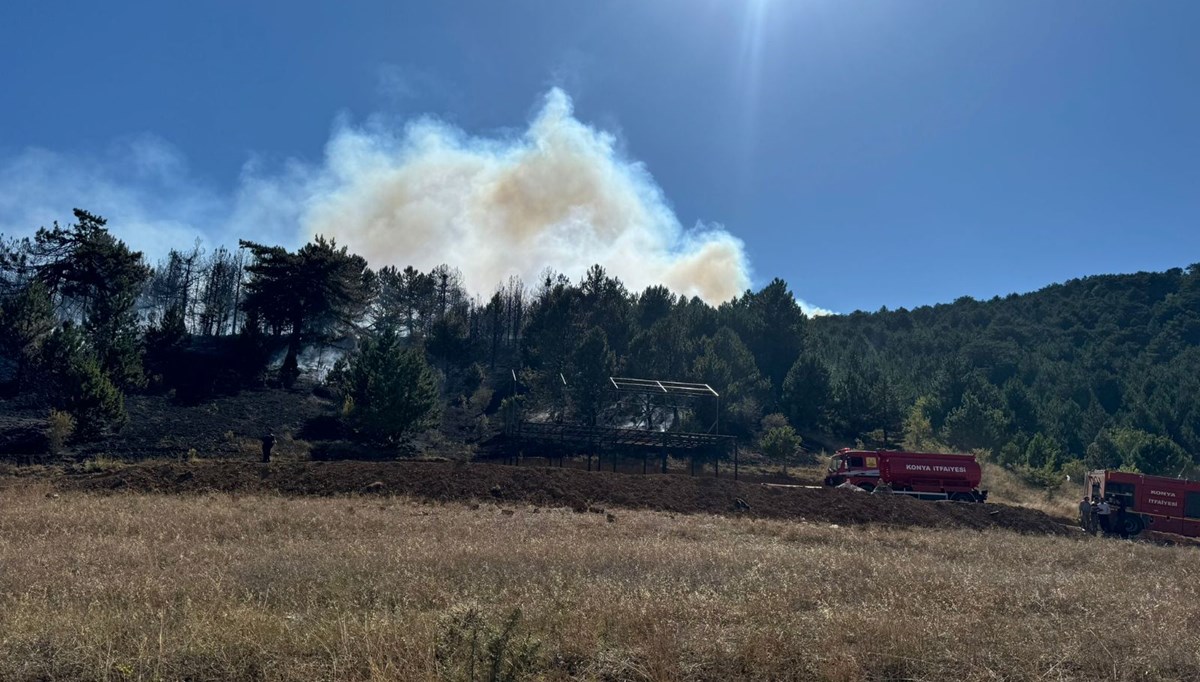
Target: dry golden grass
(223, 587)
(1006, 487)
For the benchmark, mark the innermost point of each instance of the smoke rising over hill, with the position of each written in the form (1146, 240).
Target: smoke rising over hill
(558, 196)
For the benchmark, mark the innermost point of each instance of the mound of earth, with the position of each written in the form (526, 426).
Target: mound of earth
(559, 487)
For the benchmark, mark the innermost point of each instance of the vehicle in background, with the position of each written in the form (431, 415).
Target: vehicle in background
(925, 475)
(1137, 502)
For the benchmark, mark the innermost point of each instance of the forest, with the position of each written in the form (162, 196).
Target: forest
(1102, 371)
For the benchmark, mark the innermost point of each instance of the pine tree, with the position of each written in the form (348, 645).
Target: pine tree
(807, 393)
(592, 363)
(95, 277)
(1043, 453)
(773, 326)
(918, 429)
(726, 364)
(26, 320)
(389, 391)
(1160, 456)
(314, 293)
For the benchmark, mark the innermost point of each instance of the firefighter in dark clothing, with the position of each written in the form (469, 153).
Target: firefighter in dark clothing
(1086, 522)
(1118, 523)
(268, 442)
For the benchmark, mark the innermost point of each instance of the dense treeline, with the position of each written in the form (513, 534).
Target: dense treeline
(1103, 369)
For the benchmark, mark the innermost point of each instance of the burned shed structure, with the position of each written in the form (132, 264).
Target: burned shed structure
(642, 419)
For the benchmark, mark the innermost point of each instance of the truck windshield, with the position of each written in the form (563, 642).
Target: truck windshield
(835, 463)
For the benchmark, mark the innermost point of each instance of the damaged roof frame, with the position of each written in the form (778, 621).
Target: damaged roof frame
(659, 387)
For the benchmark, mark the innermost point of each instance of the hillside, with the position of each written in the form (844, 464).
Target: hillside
(1080, 364)
(109, 356)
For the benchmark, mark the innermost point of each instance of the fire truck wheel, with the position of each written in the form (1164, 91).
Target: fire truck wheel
(1130, 526)
(867, 487)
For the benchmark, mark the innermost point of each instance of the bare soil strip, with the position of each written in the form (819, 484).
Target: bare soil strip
(558, 487)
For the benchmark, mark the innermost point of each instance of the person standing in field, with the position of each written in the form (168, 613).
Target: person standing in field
(1103, 512)
(268, 442)
(1085, 516)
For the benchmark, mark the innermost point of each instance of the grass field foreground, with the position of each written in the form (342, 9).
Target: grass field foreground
(264, 587)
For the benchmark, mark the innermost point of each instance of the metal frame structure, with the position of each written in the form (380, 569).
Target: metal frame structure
(670, 389)
(545, 439)
(658, 386)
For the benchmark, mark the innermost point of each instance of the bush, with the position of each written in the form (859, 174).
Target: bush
(98, 404)
(60, 428)
(470, 647)
(779, 443)
(773, 421)
(78, 385)
(1041, 477)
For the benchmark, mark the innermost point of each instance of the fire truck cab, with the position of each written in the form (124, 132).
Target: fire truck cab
(1138, 502)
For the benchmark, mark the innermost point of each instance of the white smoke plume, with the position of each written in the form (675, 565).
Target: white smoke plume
(558, 196)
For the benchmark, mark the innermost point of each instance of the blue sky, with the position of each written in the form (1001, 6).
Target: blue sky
(871, 154)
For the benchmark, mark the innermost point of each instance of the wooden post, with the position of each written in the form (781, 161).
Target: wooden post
(645, 457)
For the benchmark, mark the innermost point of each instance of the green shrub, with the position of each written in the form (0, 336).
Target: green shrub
(471, 648)
(78, 385)
(60, 428)
(780, 441)
(92, 396)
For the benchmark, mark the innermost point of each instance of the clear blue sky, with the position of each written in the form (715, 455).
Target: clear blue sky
(870, 153)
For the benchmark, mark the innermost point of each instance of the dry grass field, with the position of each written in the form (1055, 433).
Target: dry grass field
(218, 586)
(1005, 487)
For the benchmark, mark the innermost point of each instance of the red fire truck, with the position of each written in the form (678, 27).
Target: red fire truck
(925, 475)
(1138, 502)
